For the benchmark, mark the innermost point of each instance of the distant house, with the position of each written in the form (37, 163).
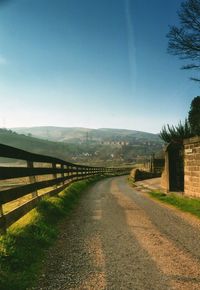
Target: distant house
(182, 167)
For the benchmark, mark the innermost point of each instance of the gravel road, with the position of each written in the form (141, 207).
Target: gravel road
(119, 238)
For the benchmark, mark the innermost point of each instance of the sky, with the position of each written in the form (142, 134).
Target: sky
(91, 63)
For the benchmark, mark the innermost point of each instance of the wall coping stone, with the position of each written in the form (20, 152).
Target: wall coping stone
(191, 140)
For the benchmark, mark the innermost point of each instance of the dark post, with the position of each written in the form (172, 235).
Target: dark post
(32, 179)
(63, 174)
(1, 210)
(54, 174)
(3, 221)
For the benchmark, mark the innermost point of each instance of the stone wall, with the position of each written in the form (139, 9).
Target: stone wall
(165, 175)
(192, 167)
(138, 175)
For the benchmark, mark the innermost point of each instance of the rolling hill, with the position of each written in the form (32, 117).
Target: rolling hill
(77, 134)
(103, 147)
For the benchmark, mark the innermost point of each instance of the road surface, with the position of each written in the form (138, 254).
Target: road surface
(119, 238)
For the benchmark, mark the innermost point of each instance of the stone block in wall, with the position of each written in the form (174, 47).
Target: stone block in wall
(192, 167)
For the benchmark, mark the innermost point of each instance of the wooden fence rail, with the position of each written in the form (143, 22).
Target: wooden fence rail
(62, 174)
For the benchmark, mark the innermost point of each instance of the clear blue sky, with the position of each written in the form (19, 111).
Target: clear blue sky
(90, 63)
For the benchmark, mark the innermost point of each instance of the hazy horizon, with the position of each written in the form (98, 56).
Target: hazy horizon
(74, 127)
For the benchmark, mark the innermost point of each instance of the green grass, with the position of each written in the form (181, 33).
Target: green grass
(22, 247)
(185, 204)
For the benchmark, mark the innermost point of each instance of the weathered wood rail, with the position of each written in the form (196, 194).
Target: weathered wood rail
(68, 172)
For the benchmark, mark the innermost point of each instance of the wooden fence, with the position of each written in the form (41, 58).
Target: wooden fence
(62, 174)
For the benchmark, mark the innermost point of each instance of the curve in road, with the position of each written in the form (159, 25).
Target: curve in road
(119, 238)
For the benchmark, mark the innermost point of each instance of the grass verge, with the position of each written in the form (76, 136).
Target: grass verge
(22, 247)
(186, 204)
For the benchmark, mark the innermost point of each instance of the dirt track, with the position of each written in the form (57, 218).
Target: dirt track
(118, 238)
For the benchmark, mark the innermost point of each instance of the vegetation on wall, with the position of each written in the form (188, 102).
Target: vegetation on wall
(190, 128)
(194, 116)
(176, 133)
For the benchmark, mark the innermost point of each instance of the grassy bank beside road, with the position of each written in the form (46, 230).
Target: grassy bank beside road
(185, 204)
(22, 248)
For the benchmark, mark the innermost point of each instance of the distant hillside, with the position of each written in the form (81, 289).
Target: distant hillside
(62, 134)
(35, 145)
(103, 147)
(58, 134)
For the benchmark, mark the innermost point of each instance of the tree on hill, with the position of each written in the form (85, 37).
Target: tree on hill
(194, 116)
(190, 128)
(184, 40)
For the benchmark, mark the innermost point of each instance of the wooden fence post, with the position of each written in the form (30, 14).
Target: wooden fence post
(1, 210)
(77, 172)
(32, 179)
(68, 173)
(63, 174)
(72, 172)
(3, 223)
(83, 172)
(54, 174)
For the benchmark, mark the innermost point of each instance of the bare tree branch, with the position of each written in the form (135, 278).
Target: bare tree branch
(184, 41)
